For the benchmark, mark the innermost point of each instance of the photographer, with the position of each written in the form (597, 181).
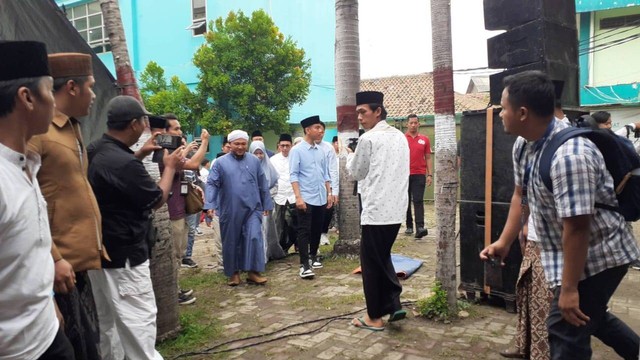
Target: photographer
(126, 195)
(380, 164)
(176, 202)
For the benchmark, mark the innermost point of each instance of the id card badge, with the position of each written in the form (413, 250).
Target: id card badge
(184, 187)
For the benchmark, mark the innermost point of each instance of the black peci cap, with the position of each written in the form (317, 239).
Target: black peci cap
(23, 59)
(369, 97)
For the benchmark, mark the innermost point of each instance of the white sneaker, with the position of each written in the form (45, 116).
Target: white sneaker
(324, 239)
(306, 272)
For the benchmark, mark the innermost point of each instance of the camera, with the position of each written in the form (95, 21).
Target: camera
(352, 144)
(166, 141)
(170, 142)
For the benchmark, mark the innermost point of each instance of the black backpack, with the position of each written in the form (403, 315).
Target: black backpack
(620, 157)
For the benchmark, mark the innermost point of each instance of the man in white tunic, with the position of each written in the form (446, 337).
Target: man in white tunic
(380, 165)
(29, 328)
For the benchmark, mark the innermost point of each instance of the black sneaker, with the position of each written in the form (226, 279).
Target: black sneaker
(409, 231)
(421, 232)
(186, 292)
(315, 263)
(635, 265)
(186, 299)
(188, 263)
(306, 272)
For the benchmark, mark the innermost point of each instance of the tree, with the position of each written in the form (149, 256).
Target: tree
(251, 72)
(446, 175)
(347, 69)
(163, 271)
(174, 97)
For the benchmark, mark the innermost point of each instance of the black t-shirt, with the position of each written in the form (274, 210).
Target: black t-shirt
(126, 195)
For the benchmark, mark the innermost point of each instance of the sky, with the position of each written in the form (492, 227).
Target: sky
(395, 38)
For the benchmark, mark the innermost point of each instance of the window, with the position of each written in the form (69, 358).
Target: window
(87, 19)
(198, 17)
(620, 21)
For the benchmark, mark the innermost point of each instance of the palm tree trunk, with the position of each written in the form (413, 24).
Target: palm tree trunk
(446, 178)
(347, 70)
(163, 268)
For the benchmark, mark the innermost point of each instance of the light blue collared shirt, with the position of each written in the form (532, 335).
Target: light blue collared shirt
(308, 167)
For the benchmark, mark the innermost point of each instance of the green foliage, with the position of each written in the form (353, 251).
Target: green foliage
(198, 330)
(174, 97)
(253, 74)
(435, 306)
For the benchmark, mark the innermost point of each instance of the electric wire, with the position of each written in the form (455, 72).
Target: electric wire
(328, 320)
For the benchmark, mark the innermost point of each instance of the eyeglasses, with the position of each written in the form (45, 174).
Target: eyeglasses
(284, 145)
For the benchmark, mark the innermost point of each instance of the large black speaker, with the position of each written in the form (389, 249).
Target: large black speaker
(567, 74)
(507, 14)
(536, 41)
(472, 227)
(541, 36)
(473, 132)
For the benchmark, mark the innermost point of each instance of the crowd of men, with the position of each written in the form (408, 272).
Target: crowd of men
(76, 282)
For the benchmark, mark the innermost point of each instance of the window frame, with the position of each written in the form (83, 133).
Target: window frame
(100, 45)
(198, 25)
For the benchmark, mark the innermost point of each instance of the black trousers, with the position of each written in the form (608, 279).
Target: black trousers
(568, 342)
(308, 234)
(286, 218)
(81, 318)
(60, 348)
(417, 184)
(381, 286)
(328, 215)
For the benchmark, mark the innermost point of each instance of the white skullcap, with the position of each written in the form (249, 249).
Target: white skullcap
(237, 134)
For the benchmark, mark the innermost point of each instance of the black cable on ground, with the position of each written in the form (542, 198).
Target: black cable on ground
(328, 319)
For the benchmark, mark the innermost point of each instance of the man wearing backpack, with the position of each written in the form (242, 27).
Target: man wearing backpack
(585, 249)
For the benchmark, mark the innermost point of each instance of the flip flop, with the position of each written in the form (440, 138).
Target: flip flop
(398, 315)
(363, 325)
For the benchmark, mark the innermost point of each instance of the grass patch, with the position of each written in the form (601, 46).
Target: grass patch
(199, 278)
(198, 331)
(435, 306)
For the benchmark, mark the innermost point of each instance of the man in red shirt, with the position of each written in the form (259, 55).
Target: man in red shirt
(420, 174)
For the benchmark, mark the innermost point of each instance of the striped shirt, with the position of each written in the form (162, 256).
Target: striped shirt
(580, 179)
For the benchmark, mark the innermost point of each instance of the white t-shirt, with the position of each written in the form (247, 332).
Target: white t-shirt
(28, 323)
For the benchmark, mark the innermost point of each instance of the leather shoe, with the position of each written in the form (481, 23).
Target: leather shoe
(234, 280)
(421, 232)
(409, 231)
(254, 278)
(513, 354)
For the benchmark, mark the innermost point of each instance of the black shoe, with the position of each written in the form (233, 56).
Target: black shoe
(409, 231)
(186, 292)
(188, 263)
(306, 272)
(421, 232)
(635, 265)
(186, 299)
(315, 263)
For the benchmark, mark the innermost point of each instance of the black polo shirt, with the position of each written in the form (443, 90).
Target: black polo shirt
(126, 195)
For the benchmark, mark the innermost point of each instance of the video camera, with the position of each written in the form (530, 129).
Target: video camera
(353, 142)
(166, 141)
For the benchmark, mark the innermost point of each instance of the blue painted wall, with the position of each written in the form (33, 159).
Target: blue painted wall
(626, 91)
(155, 31)
(595, 5)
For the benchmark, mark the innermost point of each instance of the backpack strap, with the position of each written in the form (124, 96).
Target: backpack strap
(544, 167)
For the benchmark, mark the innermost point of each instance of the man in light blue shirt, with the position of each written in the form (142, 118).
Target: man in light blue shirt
(309, 176)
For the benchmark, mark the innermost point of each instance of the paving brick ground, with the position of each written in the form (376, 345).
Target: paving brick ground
(286, 300)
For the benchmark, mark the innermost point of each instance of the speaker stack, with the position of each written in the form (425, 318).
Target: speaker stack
(540, 35)
(473, 217)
